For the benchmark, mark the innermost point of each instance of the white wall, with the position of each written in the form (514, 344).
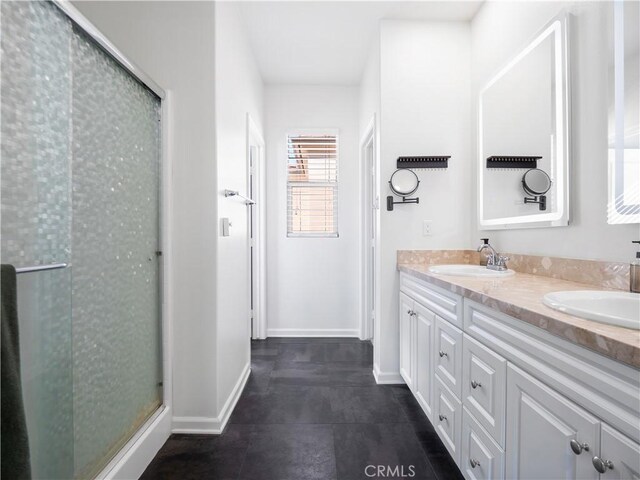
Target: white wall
(425, 110)
(499, 31)
(238, 92)
(312, 283)
(173, 43)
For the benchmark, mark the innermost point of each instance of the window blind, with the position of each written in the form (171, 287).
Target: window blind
(312, 186)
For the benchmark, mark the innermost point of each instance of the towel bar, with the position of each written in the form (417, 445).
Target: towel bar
(38, 268)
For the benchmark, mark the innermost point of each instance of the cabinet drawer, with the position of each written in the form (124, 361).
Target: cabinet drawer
(481, 458)
(448, 355)
(446, 304)
(447, 418)
(484, 386)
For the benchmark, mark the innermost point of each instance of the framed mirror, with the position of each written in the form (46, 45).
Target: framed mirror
(624, 116)
(523, 131)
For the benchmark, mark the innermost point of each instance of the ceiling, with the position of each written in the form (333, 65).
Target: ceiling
(328, 42)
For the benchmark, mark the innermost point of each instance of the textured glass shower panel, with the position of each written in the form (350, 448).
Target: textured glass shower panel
(44, 306)
(36, 103)
(116, 316)
(35, 106)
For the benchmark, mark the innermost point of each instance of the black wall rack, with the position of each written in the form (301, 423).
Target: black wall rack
(434, 161)
(512, 161)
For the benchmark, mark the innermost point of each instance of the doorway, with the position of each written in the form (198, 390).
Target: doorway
(370, 206)
(256, 231)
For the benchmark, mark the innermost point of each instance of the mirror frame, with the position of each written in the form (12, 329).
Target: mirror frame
(407, 194)
(558, 27)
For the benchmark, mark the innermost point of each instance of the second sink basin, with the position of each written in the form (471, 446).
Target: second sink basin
(613, 308)
(469, 271)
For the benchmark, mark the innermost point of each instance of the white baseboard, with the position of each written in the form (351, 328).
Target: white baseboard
(213, 425)
(313, 332)
(137, 454)
(387, 378)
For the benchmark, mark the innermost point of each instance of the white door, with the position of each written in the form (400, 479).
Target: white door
(540, 427)
(253, 280)
(406, 337)
(619, 456)
(423, 378)
(370, 207)
(373, 207)
(256, 227)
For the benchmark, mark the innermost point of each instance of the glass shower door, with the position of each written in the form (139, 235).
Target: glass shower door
(116, 308)
(80, 145)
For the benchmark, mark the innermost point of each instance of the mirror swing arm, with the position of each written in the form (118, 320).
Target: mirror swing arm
(391, 202)
(539, 199)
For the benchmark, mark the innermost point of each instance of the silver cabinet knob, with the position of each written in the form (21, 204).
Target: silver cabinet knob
(602, 465)
(475, 384)
(409, 312)
(473, 462)
(442, 418)
(442, 354)
(578, 447)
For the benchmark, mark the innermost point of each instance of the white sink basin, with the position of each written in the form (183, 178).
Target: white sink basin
(469, 271)
(613, 308)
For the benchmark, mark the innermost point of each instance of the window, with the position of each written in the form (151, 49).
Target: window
(312, 185)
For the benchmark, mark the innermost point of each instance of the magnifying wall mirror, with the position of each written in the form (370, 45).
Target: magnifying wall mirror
(536, 182)
(403, 183)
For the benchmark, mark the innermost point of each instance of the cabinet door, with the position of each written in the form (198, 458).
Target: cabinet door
(482, 458)
(423, 377)
(540, 426)
(406, 351)
(448, 355)
(623, 453)
(484, 385)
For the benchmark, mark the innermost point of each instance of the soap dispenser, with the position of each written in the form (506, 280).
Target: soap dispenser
(483, 255)
(634, 272)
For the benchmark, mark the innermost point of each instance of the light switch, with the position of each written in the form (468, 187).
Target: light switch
(224, 226)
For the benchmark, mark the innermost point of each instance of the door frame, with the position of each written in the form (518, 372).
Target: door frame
(258, 268)
(369, 271)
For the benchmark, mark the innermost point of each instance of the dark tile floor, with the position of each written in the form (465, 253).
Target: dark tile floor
(311, 410)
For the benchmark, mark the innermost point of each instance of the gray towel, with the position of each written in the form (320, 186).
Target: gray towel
(14, 444)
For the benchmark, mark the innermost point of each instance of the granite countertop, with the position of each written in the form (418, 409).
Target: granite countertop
(520, 296)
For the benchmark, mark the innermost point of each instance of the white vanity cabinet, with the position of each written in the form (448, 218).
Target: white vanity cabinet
(509, 400)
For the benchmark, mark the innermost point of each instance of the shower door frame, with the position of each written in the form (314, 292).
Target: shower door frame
(137, 453)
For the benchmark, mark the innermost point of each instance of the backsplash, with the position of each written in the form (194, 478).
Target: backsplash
(592, 272)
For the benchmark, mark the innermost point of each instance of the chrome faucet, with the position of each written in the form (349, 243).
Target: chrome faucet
(495, 261)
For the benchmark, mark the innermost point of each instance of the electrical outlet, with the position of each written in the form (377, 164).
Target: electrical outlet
(427, 228)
